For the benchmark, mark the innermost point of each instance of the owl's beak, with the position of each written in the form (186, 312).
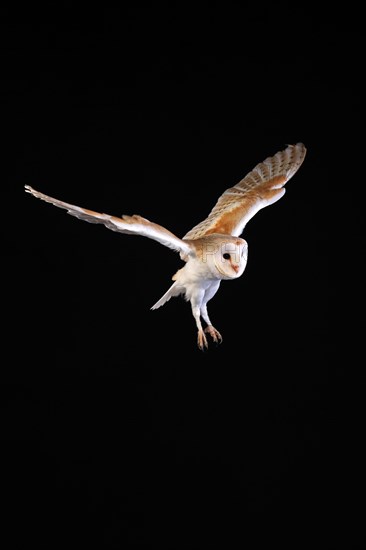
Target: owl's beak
(235, 267)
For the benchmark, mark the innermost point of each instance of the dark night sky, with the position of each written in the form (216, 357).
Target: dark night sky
(116, 428)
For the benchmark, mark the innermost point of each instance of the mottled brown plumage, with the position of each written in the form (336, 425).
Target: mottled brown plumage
(261, 187)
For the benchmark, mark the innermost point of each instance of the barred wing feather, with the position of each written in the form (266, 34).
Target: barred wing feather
(261, 187)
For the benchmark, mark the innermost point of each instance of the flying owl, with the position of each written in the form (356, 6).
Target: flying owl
(213, 250)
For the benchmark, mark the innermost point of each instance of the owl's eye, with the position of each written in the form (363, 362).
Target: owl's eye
(226, 256)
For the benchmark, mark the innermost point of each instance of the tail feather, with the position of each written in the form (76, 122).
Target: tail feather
(174, 290)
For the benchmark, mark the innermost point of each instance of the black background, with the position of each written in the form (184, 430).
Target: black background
(116, 429)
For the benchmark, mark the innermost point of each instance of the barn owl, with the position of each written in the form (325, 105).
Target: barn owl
(213, 250)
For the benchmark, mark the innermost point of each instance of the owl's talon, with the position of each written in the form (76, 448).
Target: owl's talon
(215, 335)
(202, 340)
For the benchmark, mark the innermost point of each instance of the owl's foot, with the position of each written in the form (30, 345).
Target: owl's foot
(202, 340)
(215, 335)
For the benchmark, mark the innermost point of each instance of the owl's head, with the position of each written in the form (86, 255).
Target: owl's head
(226, 256)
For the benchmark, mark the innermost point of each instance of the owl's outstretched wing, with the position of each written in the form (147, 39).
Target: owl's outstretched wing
(261, 187)
(133, 225)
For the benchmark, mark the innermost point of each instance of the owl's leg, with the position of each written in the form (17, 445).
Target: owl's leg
(215, 335)
(210, 292)
(201, 338)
